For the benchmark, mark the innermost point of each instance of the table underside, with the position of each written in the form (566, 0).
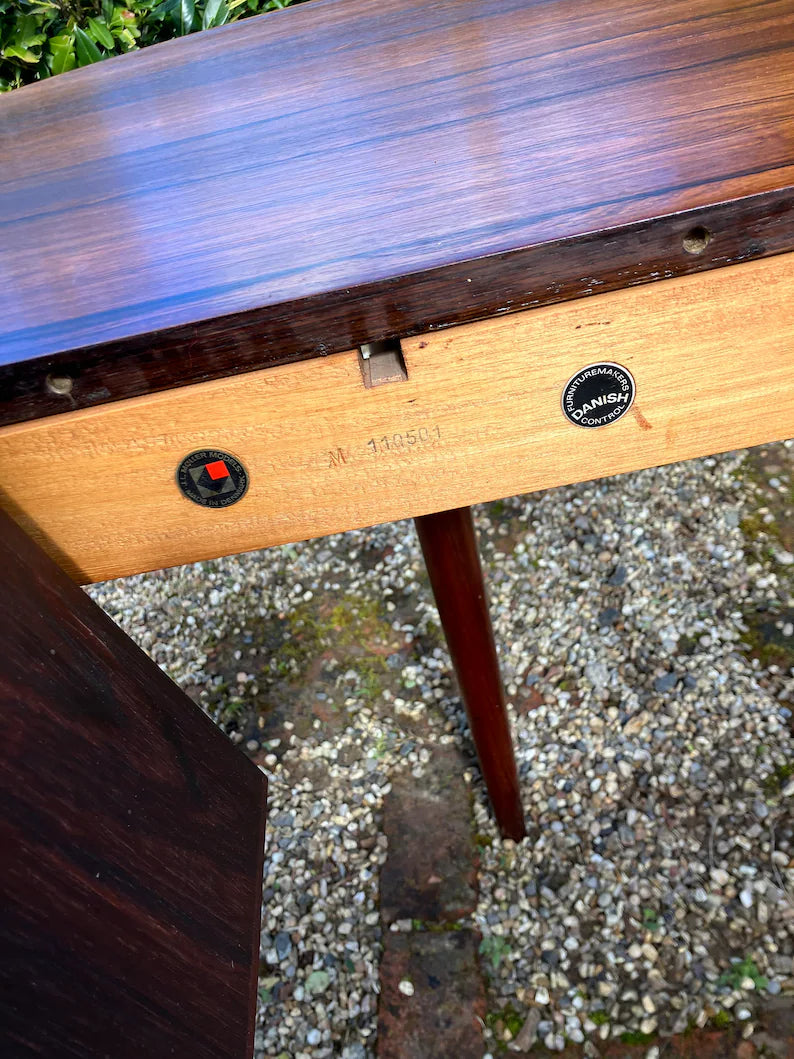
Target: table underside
(478, 417)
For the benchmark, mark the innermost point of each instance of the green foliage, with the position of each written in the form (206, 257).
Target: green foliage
(741, 969)
(635, 1037)
(600, 1018)
(423, 926)
(41, 38)
(494, 948)
(650, 920)
(505, 1019)
(775, 783)
(381, 745)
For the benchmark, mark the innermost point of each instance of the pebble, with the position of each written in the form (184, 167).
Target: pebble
(643, 758)
(665, 683)
(406, 987)
(283, 945)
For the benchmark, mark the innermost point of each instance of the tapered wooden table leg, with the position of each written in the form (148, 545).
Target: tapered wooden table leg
(449, 546)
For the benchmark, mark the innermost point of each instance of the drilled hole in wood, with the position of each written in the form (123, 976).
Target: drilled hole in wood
(697, 239)
(382, 362)
(59, 384)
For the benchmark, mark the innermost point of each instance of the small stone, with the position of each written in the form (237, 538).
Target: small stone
(618, 577)
(317, 982)
(743, 1013)
(597, 674)
(406, 987)
(313, 1037)
(528, 1033)
(626, 835)
(542, 996)
(746, 897)
(665, 683)
(283, 945)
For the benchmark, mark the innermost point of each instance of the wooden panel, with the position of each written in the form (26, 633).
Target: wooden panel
(712, 356)
(352, 169)
(132, 838)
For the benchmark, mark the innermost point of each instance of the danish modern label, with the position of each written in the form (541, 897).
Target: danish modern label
(598, 395)
(212, 478)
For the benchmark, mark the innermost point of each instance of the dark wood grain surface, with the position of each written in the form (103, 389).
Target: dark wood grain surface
(449, 547)
(132, 838)
(355, 169)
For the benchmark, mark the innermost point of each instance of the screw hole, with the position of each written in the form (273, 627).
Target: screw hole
(697, 239)
(59, 384)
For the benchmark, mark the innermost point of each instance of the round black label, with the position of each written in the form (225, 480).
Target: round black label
(598, 394)
(212, 478)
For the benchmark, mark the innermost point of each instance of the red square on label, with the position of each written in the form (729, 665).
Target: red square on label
(217, 470)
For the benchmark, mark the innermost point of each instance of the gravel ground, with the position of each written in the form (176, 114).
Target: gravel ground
(654, 891)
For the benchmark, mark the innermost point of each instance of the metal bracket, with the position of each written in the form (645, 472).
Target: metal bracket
(382, 362)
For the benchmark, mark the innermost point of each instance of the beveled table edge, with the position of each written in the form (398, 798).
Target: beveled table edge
(726, 233)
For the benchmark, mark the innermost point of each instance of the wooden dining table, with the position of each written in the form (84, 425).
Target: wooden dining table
(344, 263)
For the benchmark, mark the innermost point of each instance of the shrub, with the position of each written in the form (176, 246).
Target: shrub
(40, 38)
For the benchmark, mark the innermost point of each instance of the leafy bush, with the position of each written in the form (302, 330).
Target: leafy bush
(39, 38)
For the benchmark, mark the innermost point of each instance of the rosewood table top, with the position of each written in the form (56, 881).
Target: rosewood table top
(297, 184)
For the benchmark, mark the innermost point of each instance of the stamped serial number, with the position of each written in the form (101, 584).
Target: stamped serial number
(421, 436)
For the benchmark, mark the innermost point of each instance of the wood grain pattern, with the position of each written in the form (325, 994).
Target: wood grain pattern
(712, 356)
(449, 547)
(132, 837)
(355, 169)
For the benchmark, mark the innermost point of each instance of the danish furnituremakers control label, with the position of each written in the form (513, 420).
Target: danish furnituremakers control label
(212, 478)
(598, 394)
